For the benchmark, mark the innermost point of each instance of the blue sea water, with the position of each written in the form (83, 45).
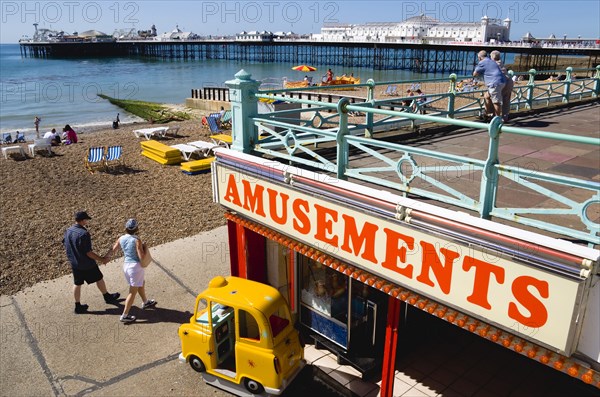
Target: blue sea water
(64, 91)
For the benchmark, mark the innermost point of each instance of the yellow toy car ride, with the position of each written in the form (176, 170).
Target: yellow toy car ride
(241, 333)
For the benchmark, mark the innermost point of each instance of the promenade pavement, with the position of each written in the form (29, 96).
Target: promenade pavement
(47, 350)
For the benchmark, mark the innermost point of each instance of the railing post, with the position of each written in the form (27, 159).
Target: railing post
(244, 107)
(342, 145)
(369, 116)
(489, 177)
(452, 96)
(568, 78)
(597, 82)
(530, 87)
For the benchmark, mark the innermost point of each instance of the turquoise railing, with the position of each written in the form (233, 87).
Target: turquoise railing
(292, 136)
(449, 102)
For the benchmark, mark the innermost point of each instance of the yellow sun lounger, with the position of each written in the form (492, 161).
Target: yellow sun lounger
(160, 152)
(197, 166)
(162, 160)
(222, 140)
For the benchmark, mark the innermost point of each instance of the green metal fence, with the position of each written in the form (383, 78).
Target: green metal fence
(298, 136)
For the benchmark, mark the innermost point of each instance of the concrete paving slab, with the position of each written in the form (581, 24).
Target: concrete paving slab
(22, 365)
(96, 345)
(168, 378)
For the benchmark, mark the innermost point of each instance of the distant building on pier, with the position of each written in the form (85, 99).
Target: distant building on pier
(421, 29)
(177, 34)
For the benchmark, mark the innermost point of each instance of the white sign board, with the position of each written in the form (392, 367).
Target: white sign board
(529, 301)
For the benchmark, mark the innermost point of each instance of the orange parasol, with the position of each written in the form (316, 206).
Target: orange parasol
(304, 68)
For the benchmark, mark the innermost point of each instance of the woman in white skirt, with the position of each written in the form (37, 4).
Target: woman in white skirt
(137, 258)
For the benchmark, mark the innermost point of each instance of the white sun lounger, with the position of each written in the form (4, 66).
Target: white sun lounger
(187, 151)
(12, 149)
(205, 147)
(148, 133)
(40, 144)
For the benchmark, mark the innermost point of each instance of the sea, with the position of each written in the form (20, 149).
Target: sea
(65, 91)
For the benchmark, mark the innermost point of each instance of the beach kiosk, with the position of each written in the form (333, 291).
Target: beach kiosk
(349, 260)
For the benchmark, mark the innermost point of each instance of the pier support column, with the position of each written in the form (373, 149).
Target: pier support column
(244, 107)
(370, 99)
(530, 88)
(451, 96)
(568, 79)
(597, 82)
(342, 145)
(489, 177)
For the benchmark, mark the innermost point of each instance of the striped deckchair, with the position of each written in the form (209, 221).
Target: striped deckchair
(7, 138)
(94, 159)
(226, 119)
(213, 125)
(114, 157)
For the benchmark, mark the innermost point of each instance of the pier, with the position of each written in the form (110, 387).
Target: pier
(421, 58)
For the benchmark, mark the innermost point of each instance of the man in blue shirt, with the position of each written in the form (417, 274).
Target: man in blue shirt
(494, 80)
(78, 245)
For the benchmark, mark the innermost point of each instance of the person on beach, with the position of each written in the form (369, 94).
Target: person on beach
(69, 135)
(137, 258)
(407, 102)
(420, 103)
(116, 122)
(53, 137)
(508, 87)
(494, 80)
(20, 138)
(36, 123)
(78, 246)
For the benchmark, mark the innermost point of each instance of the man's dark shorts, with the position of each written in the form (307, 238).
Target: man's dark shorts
(90, 276)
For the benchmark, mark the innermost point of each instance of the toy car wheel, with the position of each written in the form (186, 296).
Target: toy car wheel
(197, 364)
(253, 386)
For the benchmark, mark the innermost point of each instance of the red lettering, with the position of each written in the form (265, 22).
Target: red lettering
(273, 194)
(366, 237)
(538, 314)
(253, 201)
(325, 219)
(393, 252)
(232, 195)
(481, 284)
(301, 222)
(431, 261)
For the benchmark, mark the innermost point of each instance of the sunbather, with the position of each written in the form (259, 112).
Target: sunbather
(20, 138)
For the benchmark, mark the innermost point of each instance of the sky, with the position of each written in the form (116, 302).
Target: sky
(541, 18)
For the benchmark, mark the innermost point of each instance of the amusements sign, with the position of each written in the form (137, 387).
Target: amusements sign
(523, 299)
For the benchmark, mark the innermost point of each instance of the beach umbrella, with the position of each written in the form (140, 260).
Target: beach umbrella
(304, 68)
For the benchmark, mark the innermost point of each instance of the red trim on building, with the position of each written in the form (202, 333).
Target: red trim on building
(388, 369)
(241, 251)
(233, 253)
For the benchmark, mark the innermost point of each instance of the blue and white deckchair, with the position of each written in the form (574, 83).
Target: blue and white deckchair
(214, 125)
(7, 138)
(114, 157)
(94, 159)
